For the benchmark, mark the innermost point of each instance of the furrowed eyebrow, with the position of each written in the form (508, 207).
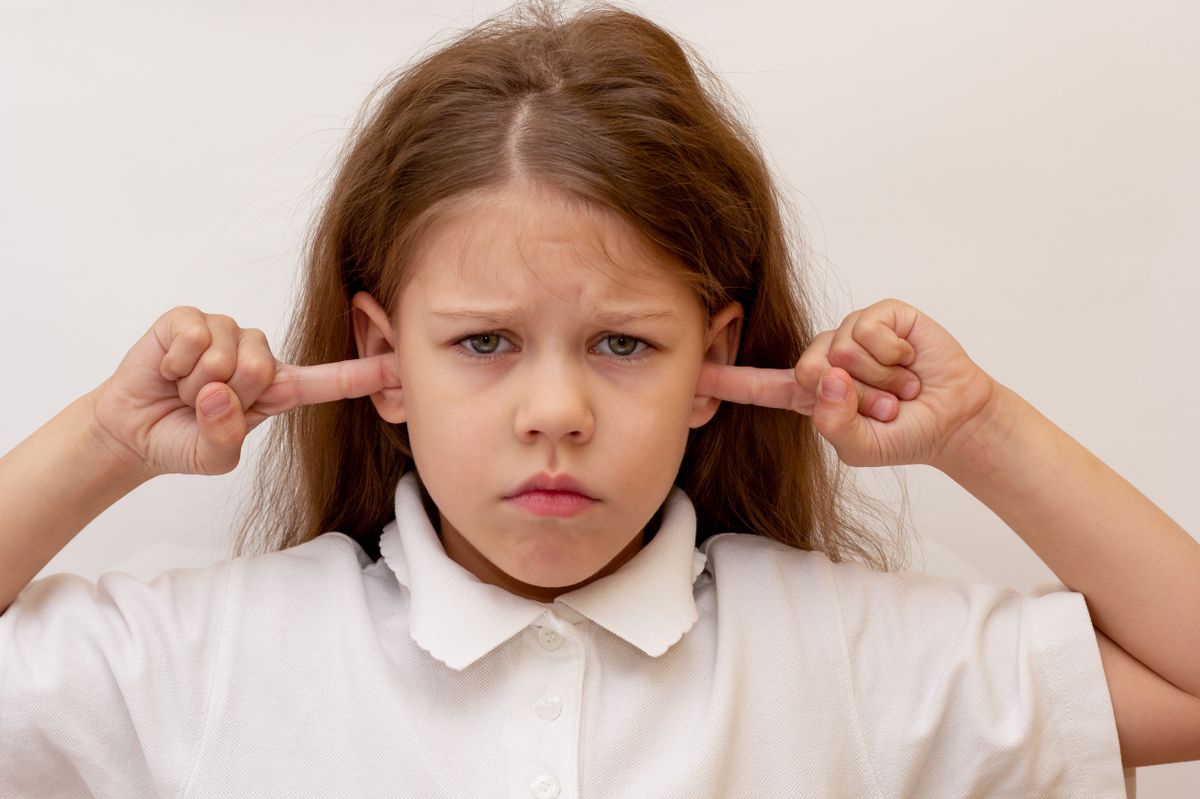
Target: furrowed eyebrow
(503, 316)
(618, 318)
(499, 316)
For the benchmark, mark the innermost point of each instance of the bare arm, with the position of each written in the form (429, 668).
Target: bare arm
(1138, 570)
(154, 416)
(52, 485)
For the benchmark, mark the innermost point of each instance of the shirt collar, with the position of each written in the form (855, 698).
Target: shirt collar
(459, 619)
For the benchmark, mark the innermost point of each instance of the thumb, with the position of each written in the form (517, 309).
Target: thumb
(837, 419)
(222, 429)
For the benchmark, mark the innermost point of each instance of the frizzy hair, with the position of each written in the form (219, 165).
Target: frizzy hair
(610, 109)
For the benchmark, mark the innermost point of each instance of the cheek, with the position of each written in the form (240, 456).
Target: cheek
(444, 426)
(661, 397)
(649, 418)
(444, 419)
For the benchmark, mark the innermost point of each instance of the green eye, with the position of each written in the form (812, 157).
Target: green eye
(622, 345)
(485, 343)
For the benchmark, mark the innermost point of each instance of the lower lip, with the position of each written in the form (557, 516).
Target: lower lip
(553, 503)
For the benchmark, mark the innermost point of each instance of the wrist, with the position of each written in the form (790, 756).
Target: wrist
(102, 454)
(979, 445)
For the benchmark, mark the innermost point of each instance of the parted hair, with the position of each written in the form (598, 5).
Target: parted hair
(611, 109)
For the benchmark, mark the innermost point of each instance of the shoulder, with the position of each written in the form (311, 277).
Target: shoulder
(741, 559)
(735, 554)
(328, 552)
(183, 597)
(873, 605)
(306, 580)
(741, 555)
(752, 579)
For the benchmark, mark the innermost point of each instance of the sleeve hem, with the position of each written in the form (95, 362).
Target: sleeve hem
(1072, 676)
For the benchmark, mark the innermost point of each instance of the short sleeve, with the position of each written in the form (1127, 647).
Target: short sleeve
(104, 686)
(977, 690)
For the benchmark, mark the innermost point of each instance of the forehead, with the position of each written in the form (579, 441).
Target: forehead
(509, 244)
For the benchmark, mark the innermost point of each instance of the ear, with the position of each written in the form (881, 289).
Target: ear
(374, 335)
(721, 346)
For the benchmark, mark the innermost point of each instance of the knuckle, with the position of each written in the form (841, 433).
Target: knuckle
(842, 355)
(345, 382)
(196, 335)
(217, 362)
(222, 320)
(821, 341)
(187, 311)
(257, 339)
(258, 368)
(756, 390)
(899, 310)
(864, 327)
(810, 366)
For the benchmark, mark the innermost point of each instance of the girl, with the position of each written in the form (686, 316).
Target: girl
(562, 566)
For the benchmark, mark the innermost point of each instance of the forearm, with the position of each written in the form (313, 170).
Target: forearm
(1138, 569)
(51, 486)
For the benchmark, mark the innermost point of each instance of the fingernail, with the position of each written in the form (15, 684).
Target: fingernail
(883, 408)
(832, 388)
(215, 404)
(910, 390)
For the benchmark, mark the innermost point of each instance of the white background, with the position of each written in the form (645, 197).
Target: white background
(1025, 172)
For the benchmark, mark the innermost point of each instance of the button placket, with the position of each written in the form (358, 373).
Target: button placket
(544, 755)
(548, 707)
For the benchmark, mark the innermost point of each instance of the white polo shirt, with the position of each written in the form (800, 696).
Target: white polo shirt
(747, 668)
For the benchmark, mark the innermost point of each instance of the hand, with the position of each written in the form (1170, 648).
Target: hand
(889, 386)
(186, 395)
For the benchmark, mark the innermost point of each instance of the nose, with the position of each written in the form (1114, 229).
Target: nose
(555, 404)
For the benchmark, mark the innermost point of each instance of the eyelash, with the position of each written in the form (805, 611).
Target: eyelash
(491, 356)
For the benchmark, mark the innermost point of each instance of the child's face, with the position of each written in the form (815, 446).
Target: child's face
(554, 397)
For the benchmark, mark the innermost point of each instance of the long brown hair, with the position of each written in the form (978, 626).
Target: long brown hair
(612, 109)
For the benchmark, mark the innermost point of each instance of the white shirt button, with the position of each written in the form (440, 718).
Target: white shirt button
(548, 638)
(548, 707)
(544, 786)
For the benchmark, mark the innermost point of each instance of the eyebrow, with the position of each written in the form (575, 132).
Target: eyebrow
(502, 316)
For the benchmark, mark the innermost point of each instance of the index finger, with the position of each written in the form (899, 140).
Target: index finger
(751, 385)
(310, 385)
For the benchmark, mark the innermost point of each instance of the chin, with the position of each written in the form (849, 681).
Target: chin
(553, 569)
(553, 578)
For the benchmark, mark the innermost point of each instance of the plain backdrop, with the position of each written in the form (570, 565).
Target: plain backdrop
(1024, 172)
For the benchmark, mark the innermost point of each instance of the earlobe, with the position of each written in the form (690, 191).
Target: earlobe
(374, 335)
(721, 346)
